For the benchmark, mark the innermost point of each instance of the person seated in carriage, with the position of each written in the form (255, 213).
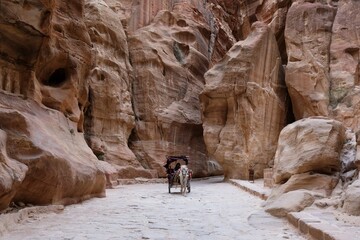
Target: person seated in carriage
(177, 167)
(171, 173)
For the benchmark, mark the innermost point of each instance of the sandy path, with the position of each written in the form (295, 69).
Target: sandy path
(213, 210)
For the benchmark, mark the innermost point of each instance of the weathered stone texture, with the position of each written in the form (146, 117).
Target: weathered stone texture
(294, 201)
(322, 74)
(320, 185)
(12, 173)
(243, 105)
(345, 64)
(311, 144)
(352, 199)
(169, 57)
(132, 79)
(308, 37)
(109, 117)
(50, 159)
(45, 55)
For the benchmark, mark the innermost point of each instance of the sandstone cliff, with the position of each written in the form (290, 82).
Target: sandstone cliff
(244, 104)
(96, 90)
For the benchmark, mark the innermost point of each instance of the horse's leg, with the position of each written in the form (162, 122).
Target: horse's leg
(185, 182)
(182, 184)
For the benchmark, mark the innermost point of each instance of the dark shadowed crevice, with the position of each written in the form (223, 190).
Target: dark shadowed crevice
(290, 117)
(88, 119)
(57, 78)
(280, 38)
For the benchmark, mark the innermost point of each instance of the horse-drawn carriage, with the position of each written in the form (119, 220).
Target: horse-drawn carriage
(179, 175)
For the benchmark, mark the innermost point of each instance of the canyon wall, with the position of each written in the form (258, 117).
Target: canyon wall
(96, 90)
(244, 104)
(45, 58)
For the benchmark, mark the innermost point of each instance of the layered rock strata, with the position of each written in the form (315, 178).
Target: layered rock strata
(169, 57)
(244, 104)
(109, 117)
(45, 58)
(47, 160)
(308, 37)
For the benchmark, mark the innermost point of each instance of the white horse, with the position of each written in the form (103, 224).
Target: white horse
(184, 178)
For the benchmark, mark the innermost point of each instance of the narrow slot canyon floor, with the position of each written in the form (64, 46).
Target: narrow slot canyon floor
(213, 210)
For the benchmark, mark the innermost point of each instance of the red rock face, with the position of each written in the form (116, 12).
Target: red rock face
(244, 105)
(94, 89)
(308, 37)
(109, 117)
(50, 160)
(345, 65)
(169, 58)
(45, 59)
(323, 70)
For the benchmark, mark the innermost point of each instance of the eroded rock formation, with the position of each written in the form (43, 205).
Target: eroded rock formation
(308, 36)
(311, 144)
(244, 104)
(110, 118)
(49, 161)
(170, 57)
(96, 90)
(45, 59)
(323, 59)
(306, 165)
(345, 64)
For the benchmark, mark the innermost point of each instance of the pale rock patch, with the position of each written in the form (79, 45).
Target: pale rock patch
(352, 199)
(309, 145)
(293, 201)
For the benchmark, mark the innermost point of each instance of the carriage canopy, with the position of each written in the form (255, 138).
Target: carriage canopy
(171, 159)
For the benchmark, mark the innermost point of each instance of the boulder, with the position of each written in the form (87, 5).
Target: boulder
(320, 185)
(243, 105)
(351, 204)
(294, 201)
(309, 145)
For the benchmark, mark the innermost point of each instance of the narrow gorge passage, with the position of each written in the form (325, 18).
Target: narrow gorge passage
(213, 210)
